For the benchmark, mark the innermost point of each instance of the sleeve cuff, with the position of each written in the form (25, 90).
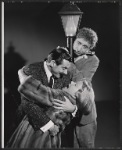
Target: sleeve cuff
(74, 113)
(47, 126)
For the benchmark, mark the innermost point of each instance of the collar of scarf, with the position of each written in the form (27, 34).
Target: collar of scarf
(84, 56)
(90, 53)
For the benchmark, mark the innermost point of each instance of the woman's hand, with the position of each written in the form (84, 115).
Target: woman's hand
(66, 106)
(22, 76)
(54, 130)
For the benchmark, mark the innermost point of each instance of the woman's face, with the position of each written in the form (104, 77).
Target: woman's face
(74, 87)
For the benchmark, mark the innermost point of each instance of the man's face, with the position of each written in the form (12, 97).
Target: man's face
(81, 46)
(58, 70)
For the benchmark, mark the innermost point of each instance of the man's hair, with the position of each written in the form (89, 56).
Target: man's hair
(58, 54)
(89, 35)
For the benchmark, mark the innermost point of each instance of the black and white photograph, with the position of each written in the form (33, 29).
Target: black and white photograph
(61, 74)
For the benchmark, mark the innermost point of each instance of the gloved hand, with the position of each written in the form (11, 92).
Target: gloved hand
(54, 130)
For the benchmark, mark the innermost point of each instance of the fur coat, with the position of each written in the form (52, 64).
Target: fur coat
(34, 87)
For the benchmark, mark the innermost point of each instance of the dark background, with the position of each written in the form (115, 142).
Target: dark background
(32, 30)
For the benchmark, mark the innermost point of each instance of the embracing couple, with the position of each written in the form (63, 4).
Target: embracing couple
(57, 91)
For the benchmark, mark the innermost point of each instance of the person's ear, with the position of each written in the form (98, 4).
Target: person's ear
(53, 63)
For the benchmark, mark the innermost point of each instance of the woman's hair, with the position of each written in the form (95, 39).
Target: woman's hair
(89, 35)
(58, 54)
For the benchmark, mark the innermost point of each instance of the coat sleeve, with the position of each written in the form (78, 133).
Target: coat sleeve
(29, 89)
(85, 99)
(87, 71)
(34, 91)
(36, 114)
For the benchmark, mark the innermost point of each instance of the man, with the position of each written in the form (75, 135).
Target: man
(36, 129)
(86, 64)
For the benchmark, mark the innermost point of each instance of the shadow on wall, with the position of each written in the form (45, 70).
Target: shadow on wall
(13, 61)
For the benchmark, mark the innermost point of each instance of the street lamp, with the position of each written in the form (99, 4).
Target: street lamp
(71, 17)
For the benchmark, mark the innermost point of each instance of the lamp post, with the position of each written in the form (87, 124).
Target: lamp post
(71, 17)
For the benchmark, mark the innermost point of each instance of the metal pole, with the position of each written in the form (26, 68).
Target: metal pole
(67, 41)
(70, 47)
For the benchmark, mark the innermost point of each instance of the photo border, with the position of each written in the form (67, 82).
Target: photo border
(64, 1)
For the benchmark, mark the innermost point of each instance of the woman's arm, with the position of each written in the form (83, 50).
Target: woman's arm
(85, 100)
(34, 91)
(37, 93)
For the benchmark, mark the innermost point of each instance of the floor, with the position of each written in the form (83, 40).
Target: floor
(108, 126)
(108, 132)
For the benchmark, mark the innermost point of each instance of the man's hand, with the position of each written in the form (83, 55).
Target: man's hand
(66, 106)
(54, 130)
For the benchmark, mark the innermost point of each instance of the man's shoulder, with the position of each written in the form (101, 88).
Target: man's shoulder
(96, 58)
(93, 59)
(31, 68)
(35, 64)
